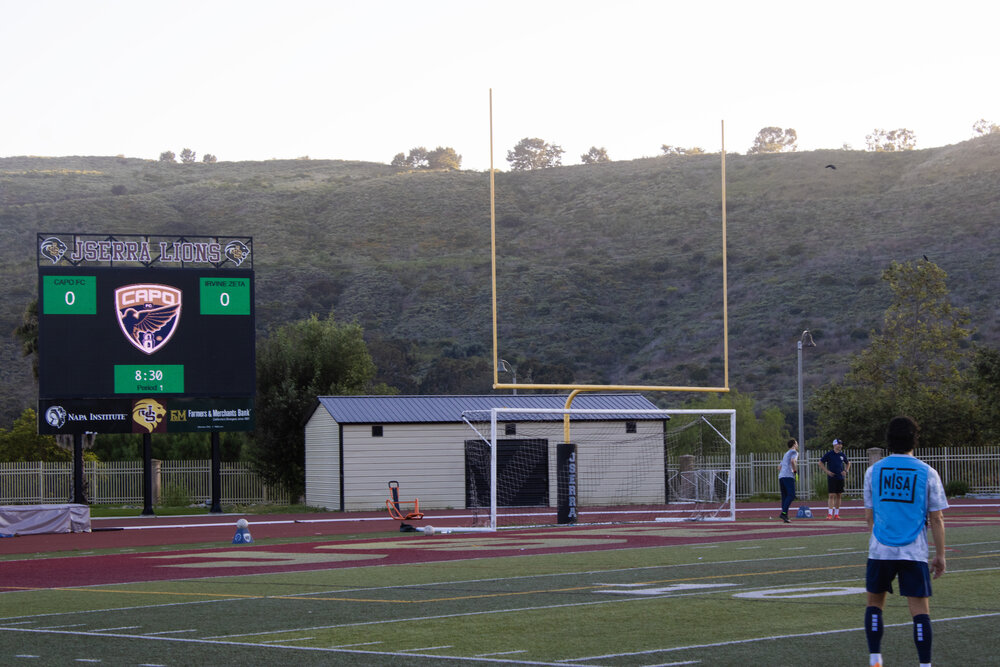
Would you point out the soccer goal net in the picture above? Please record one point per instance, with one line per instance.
(615, 467)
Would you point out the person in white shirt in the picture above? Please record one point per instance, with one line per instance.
(788, 470)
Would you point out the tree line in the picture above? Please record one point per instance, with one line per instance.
(534, 153)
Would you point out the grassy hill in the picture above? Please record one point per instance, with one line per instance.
(611, 273)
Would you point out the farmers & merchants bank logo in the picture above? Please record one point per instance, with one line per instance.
(148, 314)
(148, 414)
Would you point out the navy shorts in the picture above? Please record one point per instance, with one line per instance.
(914, 577)
(835, 484)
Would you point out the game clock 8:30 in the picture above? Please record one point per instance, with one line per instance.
(149, 379)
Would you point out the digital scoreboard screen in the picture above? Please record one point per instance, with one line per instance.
(167, 328)
(108, 332)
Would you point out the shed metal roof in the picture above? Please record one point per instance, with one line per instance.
(445, 409)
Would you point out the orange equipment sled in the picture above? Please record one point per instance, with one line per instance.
(395, 505)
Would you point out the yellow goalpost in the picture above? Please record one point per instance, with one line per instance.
(575, 389)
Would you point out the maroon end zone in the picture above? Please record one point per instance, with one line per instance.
(77, 568)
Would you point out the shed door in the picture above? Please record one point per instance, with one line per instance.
(522, 473)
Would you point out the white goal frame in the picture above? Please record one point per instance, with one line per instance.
(496, 415)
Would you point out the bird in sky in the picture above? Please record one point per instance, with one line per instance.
(831, 166)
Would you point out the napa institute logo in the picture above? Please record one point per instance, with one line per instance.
(148, 314)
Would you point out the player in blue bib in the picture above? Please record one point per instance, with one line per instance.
(903, 495)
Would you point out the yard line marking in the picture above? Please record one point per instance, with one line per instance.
(485, 655)
(281, 641)
(736, 642)
(353, 645)
(167, 632)
(398, 654)
(425, 648)
(59, 627)
(124, 627)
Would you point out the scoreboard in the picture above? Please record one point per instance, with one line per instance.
(167, 326)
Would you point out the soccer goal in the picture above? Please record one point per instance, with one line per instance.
(617, 466)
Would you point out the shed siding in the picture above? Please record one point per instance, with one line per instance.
(322, 435)
(428, 461)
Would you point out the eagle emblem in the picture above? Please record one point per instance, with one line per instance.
(148, 314)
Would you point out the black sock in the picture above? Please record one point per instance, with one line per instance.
(873, 629)
(922, 636)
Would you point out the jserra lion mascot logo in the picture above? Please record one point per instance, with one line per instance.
(53, 249)
(237, 251)
(148, 314)
(147, 414)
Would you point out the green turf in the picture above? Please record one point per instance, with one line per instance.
(620, 607)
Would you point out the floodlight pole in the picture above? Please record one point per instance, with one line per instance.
(807, 339)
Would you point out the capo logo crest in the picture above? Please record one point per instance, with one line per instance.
(148, 314)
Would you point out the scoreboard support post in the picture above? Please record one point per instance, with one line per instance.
(79, 497)
(147, 475)
(216, 474)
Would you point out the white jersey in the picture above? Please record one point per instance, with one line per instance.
(786, 463)
(917, 549)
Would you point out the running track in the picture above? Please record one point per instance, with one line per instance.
(70, 559)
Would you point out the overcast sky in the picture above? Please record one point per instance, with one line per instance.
(364, 80)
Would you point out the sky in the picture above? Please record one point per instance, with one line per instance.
(367, 79)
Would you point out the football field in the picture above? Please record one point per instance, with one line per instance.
(754, 592)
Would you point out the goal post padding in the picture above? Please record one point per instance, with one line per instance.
(631, 465)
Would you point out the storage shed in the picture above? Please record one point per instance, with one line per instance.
(356, 444)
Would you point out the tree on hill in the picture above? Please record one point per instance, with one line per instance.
(187, 156)
(208, 158)
(913, 366)
(444, 157)
(27, 333)
(986, 387)
(678, 150)
(774, 140)
(295, 364)
(889, 141)
(595, 156)
(417, 159)
(983, 126)
(168, 156)
(534, 153)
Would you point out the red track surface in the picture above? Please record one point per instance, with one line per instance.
(79, 569)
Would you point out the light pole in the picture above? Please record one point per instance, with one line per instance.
(807, 340)
(505, 367)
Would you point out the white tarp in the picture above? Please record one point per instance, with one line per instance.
(34, 519)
